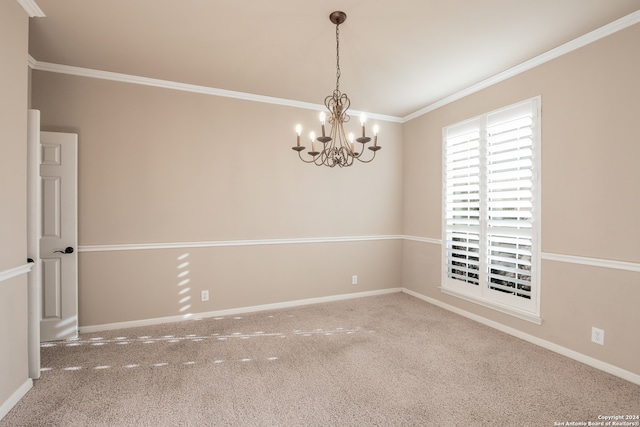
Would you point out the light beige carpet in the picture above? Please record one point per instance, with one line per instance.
(391, 360)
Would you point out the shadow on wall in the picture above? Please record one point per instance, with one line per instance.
(184, 290)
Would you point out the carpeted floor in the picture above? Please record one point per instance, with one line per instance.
(391, 360)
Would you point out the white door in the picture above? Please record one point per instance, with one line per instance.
(59, 236)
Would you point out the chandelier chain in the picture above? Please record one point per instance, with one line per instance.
(337, 57)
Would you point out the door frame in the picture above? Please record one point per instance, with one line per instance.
(34, 221)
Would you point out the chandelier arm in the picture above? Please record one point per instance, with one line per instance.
(327, 159)
(361, 152)
(367, 161)
(358, 155)
(321, 158)
(301, 158)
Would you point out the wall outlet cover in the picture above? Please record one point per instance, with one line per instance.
(597, 335)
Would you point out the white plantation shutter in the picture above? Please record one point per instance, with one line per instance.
(490, 197)
(509, 195)
(462, 208)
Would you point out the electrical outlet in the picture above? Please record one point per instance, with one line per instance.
(597, 335)
(354, 279)
(204, 295)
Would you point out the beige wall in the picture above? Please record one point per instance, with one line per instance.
(164, 166)
(590, 203)
(13, 206)
(145, 284)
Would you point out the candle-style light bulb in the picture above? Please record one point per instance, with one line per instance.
(312, 136)
(375, 135)
(298, 131)
(353, 148)
(363, 120)
(322, 119)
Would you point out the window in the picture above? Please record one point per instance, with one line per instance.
(491, 215)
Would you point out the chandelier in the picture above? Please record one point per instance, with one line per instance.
(336, 149)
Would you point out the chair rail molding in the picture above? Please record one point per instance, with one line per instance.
(15, 272)
(226, 243)
(593, 262)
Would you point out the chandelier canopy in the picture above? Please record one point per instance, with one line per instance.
(336, 149)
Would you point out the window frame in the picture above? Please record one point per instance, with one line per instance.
(527, 309)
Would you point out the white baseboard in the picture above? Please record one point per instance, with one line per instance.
(587, 360)
(232, 311)
(15, 398)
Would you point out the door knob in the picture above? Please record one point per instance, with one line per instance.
(67, 250)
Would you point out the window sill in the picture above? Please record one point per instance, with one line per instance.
(520, 314)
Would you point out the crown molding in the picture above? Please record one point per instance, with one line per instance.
(186, 87)
(595, 35)
(604, 31)
(32, 8)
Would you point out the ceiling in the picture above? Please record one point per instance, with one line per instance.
(395, 57)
